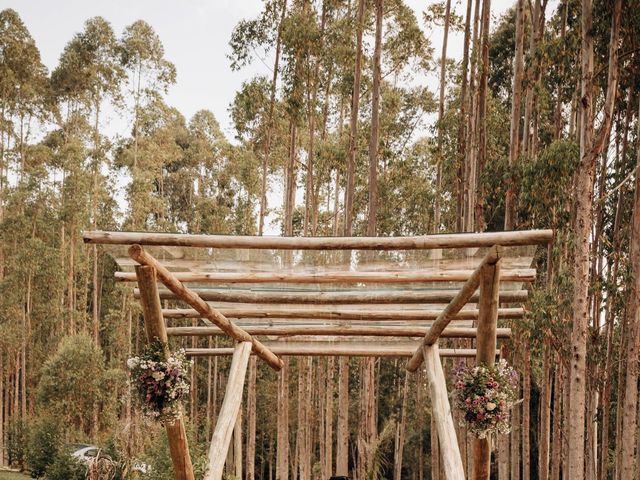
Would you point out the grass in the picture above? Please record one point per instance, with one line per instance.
(12, 476)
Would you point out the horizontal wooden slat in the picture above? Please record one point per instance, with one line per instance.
(337, 330)
(340, 349)
(522, 275)
(456, 240)
(337, 313)
(320, 298)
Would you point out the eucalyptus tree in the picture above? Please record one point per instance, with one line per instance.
(142, 57)
(88, 73)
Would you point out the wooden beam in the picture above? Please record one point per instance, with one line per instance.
(337, 350)
(337, 330)
(520, 275)
(155, 329)
(441, 411)
(338, 313)
(426, 242)
(486, 344)
(222, 434)
(339, 298)
(459, 301)
(139, 255)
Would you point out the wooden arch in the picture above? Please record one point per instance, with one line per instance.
(349, 322)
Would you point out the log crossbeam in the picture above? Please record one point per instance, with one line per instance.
(425, 242)
(328, 277)
(332, 330)
(137, 253)
(337, 313)
(451, 310)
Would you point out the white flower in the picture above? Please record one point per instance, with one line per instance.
(133, 363)
(158, 375)
(491, 406)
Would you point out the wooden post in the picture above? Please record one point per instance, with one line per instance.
(441, 412)
(229, 412)
(485, 348)
(155, 328)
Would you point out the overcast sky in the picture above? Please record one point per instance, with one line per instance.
(195, 34)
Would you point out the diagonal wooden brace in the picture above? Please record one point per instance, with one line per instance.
(459, 301)
(221, 438)
(137, 253)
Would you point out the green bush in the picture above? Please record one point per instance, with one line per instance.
(45, 440)
(16, 442)
(65, 467)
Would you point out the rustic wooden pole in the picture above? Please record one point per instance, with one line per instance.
(337, 313)
(429, 276)
(155, 328)
(345, 349)
(139, 255)
(460, 300)
(486, 347)
(426, 242)
(441, 412)
(223, 432)
(380, 297)
(333, 330)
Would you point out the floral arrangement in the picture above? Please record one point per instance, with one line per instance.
(485, 395)
(160, 383)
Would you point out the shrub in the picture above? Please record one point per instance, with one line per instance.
(65, 467)
(16, 442)
(45, 439)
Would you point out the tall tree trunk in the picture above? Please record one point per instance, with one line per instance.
(328, 417)
(342, 431)
(545, 413)
(526, 412)
(462, 148)
(282, 453)
(402, 425)
(629, 421)
(353, 124)
(374, 141)
(482, 115)
(267, 145)
(251, 420)
(590, 149)
(437, 220)
(510, 218)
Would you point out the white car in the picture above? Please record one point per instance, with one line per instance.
(85, 453)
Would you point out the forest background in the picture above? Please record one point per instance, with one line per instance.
(535, 126)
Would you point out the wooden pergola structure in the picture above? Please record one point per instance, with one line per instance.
(343, 296)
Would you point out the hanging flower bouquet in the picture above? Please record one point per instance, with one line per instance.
(485, 395)
(160, 384)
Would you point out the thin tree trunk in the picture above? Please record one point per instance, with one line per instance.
(353, 124)
(374, 141)
(282, 453)
(440, 157)
(267, 144)
(482, 115)
(590, 149)
(545, 414)
(342, 431)
(510, 218)
(251, 420)
(328, 439)
(629, 421)
(462, 147)
(402, 425)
